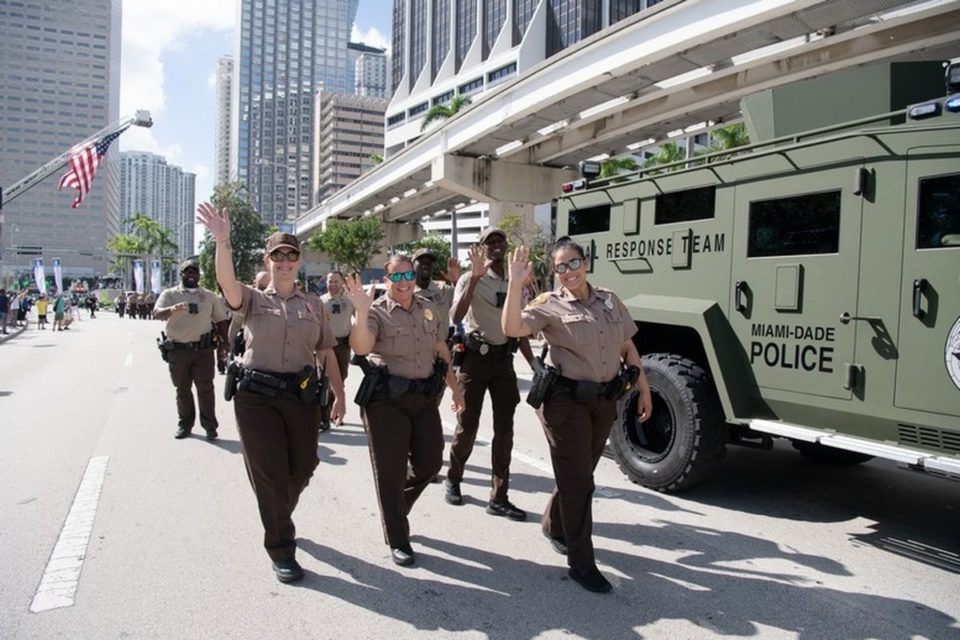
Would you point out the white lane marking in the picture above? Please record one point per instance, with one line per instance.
(540, 465)
(129, 361)
(59, 582)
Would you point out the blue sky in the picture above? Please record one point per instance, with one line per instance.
(168, 66)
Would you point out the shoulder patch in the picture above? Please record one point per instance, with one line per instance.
(540, 299)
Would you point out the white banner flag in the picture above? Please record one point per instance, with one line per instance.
(155, 273)
(57, 275)
(40, 275)
(138, 275)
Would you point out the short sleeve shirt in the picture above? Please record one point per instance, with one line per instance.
(442, 297)
(340, 311)
(483, 316)
(405, 339)
(283, 335)
(190, 327)
(584, 337)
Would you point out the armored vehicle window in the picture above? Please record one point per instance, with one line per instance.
(684, 206)
(799, 225)
(938, 214)
(589, 220)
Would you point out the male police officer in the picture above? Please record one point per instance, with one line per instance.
(340, 311)
(191, 313)
(439, 294)
(487, 364)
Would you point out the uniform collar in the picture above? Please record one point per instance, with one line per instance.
(392, 304)
(180, 288)
(566, 294)
(272, 291)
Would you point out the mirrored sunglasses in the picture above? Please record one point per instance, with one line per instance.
(562, 267)
(402, 275)
(280, 256)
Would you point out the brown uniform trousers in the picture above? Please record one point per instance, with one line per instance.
(478, 373)
(279, 438)
(406, 452)
(342, 351)
(577, 433)
(188, 368)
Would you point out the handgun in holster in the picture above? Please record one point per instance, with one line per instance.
(308, 385)
(324, 391)
(439, 378)
(234, 373)
(544, 378)
(162, 345)
(624, 382)
(373, 378)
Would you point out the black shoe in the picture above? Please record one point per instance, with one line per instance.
(288, 570)
(453, 495)
(559, 544)
(402, 555)
(182, 433)
(507, 509)
(211, 435)
(324, 425)
(591, 580)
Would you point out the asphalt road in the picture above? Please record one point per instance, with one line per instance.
(773, 547)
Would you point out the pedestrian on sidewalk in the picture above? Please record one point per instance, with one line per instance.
(4, 310)
(58, 308)
(277, 404)
(42, 312)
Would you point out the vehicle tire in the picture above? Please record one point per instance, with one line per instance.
(830, 455)
(684, 440)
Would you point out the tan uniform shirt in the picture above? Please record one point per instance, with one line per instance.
(483, 315)
(189, 327)
(406, 340)
(340, 311)
(283, 336)
(584, 337)
(441, 296)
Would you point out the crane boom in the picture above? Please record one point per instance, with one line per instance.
(140, 119)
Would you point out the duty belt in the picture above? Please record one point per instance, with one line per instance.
(345, 340)
(204, 342)
(585, 389)
(476, 344)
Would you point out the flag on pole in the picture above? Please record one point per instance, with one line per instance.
(83, 163)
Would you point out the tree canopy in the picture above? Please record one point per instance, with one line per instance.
(248, 235)
(351, 244)
(536, 239)
(437, 244)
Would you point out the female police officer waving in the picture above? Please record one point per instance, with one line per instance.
(590, 338)
(402, 334)
(276, 405)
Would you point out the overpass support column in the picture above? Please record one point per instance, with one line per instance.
(500, 209)
(487, 180)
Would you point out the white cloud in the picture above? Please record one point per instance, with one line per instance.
(372, 37)
(201, 170)
(150, 29)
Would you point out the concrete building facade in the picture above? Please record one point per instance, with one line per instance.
(162, 191)
(60, 79)
(288, 51)
(370, 76)
(222, 141)
(350, 129)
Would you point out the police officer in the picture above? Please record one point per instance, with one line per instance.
(487, 365)
(276, 406)
(401, 331)
(340, 311)
(191, 313)
(590, 338)
(440, 294)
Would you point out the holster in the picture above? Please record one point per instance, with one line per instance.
(544, 379)
(623, 383)
(324, 392)
(372, 380)
(234, 373)
(439, 379)
(162, 345)
(308, 386)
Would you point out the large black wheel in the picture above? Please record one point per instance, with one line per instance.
(684, 440)
(830, 455)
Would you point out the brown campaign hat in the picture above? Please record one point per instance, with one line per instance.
(280, 239)
(492, 231)
(192, 261)
(424, 252)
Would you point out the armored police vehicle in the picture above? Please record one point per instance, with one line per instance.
(806, 287)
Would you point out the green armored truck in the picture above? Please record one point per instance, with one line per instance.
(806, 286)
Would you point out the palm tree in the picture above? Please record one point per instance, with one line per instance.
(614, 166)
(669, 152)
(444, 111)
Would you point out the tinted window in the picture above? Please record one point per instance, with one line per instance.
(800, 225)
(684, 206)
(938, 213)
(589, 220)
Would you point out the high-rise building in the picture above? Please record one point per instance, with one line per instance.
(222, 142)
(369, 66)
(59, 84)
(288, 51)
(162, 191)
(350, 130)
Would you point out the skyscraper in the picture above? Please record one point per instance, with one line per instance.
(350, 130)
(164, 192)
(288, 51)
(369, 66)
(60, 79)
(222, 135)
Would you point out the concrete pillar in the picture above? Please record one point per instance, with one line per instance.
(499, 209)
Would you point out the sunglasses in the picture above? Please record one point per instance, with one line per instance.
(402, 275)
(574, 264)
(280, 256)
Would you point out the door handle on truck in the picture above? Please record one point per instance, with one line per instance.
(738, 291)
(919, 286)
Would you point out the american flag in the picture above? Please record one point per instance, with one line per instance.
(83, 163)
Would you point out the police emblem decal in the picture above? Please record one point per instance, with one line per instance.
(427, 315)
(952, 353)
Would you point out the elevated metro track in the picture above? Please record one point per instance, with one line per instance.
(679, 63)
